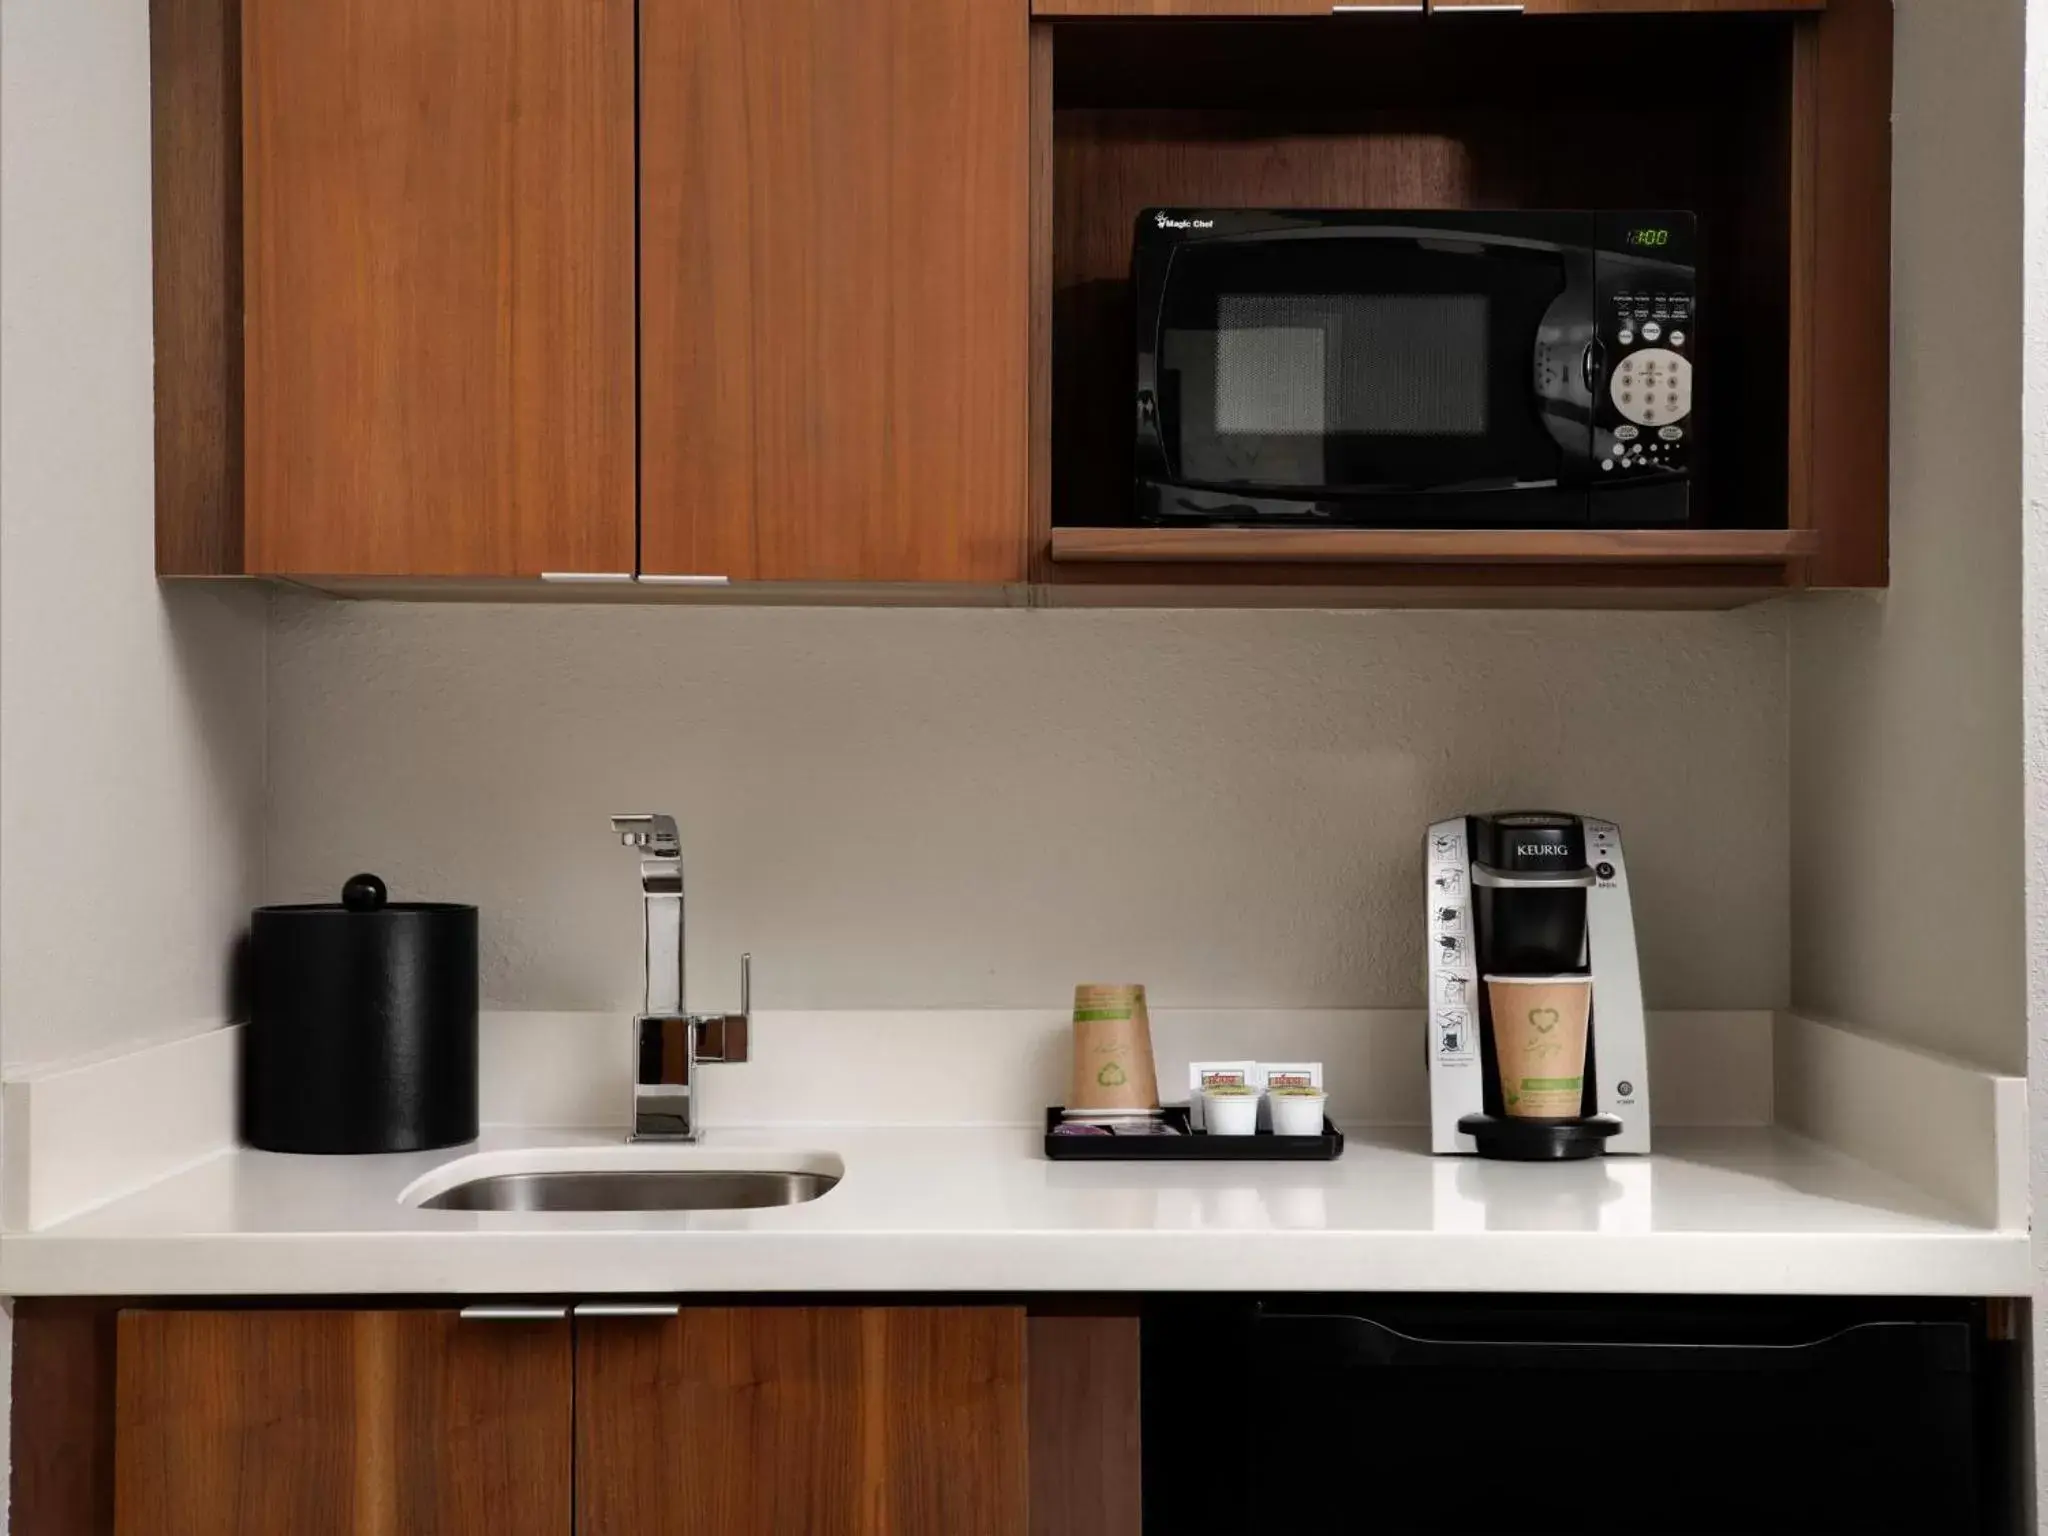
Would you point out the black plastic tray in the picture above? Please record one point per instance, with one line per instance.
(1191, 1147)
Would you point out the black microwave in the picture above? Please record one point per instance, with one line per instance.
(1415, 369)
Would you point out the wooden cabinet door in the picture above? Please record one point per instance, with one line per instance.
(1620, 7)
(834, 294)
(802, 1421)
(398, 1423)
(438, 255)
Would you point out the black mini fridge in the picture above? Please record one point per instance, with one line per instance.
(1371, 1416)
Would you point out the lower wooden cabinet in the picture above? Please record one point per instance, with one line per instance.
(717, 1421)
(802, 1421)
(387, 1423)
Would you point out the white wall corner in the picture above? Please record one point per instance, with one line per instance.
(1942, 1125)
(82, 1134)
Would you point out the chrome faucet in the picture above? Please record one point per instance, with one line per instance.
(669, 1042)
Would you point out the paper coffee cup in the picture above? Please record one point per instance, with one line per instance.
(1112, 1050)
(1539, 1040)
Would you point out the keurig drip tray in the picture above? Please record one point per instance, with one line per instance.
(1538, 1141)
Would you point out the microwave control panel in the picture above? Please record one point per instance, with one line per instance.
(1642, 416)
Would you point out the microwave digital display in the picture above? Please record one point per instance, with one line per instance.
(1649, 237)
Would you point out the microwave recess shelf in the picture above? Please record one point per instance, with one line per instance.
(1344, 546)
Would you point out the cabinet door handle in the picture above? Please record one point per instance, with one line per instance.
(1478, 10)
(514, 1314)
(587, 578)
(1378, 10)
(628, 1308)
(685, 581)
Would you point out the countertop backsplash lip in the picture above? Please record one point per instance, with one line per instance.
(935, 1066)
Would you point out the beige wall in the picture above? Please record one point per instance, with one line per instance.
(904, 808)
(130, 726)
(1906, 710)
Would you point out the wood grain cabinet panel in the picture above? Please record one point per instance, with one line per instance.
(803, 1421)
(438, 232)
(834, 289)
(394, 1423)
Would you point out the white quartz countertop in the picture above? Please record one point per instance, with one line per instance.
(981, 1210)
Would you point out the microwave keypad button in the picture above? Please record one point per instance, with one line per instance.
(1653, 331)
(1626, 434)
(1627, 338)
(1678, 338)
(1671, 434)
(1653, 386)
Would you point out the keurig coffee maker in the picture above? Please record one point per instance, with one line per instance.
(1536, 1049)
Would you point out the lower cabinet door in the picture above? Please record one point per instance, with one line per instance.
(393, 1423)
(802, 1421)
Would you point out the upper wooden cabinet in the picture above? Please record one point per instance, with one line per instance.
(439, 275)
(837, 291)
(254, 1423)
(834, 289)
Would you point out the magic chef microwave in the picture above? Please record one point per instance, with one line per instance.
(1415, 370)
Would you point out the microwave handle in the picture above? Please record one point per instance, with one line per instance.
(1593, 367)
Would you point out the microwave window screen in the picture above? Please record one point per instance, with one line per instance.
(1374, 364)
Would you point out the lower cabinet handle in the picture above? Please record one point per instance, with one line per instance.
(514, 1314)
(628, 1308)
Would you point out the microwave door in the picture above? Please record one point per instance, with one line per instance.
(1368, 366)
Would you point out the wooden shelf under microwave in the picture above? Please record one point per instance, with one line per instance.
(1379, 546)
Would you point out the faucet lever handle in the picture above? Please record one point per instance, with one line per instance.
(656, 836)
(722, 1037)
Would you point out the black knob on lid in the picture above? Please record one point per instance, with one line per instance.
(364, 893)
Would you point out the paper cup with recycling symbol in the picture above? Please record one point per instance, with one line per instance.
(1539, 1040)
(1112, 1050)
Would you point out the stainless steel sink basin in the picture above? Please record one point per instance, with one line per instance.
(633, 1190)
